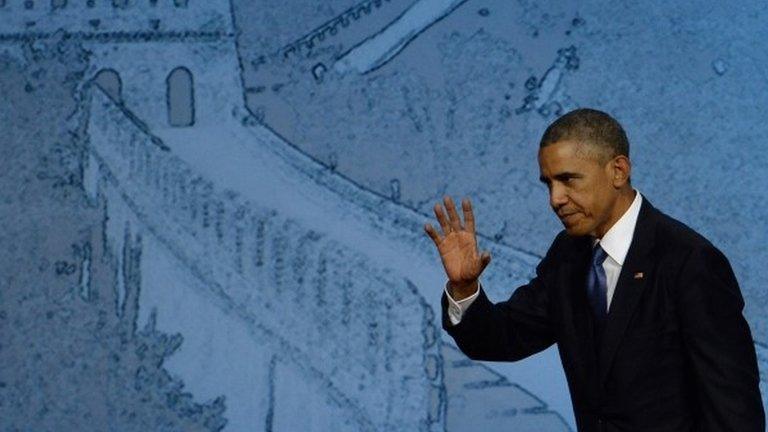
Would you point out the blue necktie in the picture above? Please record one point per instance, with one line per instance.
(597, 287)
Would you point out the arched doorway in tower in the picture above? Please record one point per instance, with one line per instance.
(180, 97)
(109, 81)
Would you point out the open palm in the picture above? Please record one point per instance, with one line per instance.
(457, 244)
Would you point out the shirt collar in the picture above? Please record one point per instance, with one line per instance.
(616, 241)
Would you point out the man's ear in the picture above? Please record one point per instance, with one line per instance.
(622, 169)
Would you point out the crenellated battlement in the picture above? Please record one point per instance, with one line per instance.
(101, 20)
(48, 6)
(330, 28)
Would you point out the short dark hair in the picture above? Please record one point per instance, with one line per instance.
(590, 126)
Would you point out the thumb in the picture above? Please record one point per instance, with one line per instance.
(485, 259)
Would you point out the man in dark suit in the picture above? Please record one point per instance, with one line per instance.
(646, 313)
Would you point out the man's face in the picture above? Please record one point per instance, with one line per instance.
(582, 191)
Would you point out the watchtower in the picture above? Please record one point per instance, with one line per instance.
(172, 62)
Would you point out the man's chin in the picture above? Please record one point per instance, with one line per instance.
(574, 230)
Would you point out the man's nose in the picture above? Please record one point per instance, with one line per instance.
(557, 197)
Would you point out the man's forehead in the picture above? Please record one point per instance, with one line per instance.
(566, 147)
(569, 152)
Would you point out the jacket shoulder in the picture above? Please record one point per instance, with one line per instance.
(678, 237)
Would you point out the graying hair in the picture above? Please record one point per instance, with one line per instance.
(589, 126)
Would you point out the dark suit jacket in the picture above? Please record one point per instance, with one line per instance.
(676, 353)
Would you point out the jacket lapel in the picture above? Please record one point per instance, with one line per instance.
(632, 281)
(573, 278)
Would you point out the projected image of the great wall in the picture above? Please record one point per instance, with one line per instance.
(215, 258)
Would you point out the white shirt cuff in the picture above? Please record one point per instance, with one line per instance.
(456, 309)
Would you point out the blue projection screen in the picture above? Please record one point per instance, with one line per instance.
(214, 210)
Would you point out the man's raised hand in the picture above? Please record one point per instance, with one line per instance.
(458, 247)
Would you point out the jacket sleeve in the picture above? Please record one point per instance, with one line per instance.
(718, 345)
(509, 330)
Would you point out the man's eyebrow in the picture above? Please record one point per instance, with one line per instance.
(561, 176)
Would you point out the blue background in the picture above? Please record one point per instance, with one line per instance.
(213, 211)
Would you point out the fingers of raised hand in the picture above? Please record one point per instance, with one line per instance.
(433, 234)
(453, 217)
(442, 218)
(469, 217)
(449, 219)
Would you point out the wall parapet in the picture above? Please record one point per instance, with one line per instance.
(343, 318)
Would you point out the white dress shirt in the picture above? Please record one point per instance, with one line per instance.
(615, 242)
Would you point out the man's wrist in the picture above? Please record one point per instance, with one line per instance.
(460, 291)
